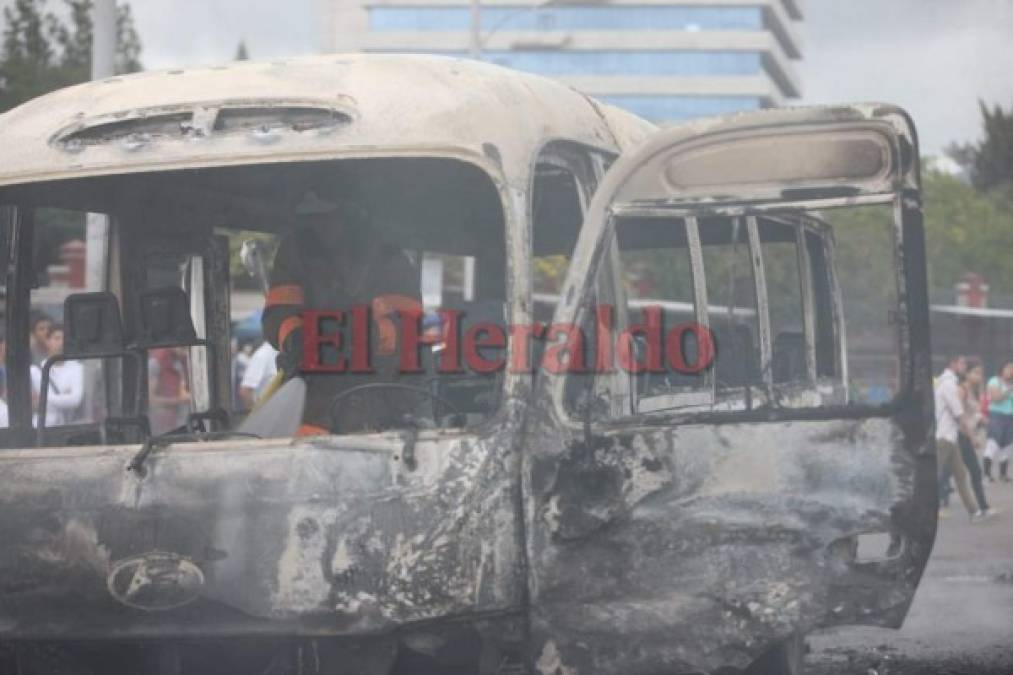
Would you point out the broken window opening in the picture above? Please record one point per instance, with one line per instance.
(186, 230)
(733, 311)
(170, 125)
(294, 118)
(657, 277)
(802, 305)
(781, 260)
(561, 187)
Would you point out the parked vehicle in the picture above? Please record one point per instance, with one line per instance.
(629, 516)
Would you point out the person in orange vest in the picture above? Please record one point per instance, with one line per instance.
(332, 260)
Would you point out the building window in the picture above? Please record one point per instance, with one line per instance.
(659, 108)
(614, 62)
(528, 17)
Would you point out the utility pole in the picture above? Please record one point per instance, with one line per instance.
(103, 46)
(476, 40)
(103, 64)
(475, 34)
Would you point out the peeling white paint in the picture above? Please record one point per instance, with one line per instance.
(341, 561)
(77, 543)
(551, 662)
(302, 586)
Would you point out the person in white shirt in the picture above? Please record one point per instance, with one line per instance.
(950, 419)
(4, 416)
(66, 383)
(241, 354)
(259, 372)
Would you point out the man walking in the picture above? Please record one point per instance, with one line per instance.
(949, 421)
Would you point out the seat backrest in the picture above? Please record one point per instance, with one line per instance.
(471, 392)
(92, 325)
(93, 329)
(733, 359)
(788, 361)
(164, 319)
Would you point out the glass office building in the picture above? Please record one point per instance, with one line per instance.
(666, 61)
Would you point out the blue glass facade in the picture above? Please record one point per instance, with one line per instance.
(659, 108)
(627, 17)
(609, 63)
(610, 49)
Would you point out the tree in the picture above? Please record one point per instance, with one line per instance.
(128, 41)
(967, 231)
(990, 161)
(42, 52)
(27, 54)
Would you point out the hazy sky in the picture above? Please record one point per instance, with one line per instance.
(934, 57)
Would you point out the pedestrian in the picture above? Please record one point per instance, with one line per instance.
(4, 417)
(168, 394)
(66, 383)
(258, 374)
(949, 421)
(1000, 421)
(41, 323)
(241, 353)
(973, 439)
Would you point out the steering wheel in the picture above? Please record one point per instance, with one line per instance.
(386, 385)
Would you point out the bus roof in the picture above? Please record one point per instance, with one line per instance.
(307, 108)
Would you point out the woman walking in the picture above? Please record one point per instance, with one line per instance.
(972, 435)
(1000, 421)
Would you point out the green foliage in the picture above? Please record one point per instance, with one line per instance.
(990, 161)
(128, 41)
(549, 272)
(967, 231)
(970, 229)
(865, 264)
(41, 51)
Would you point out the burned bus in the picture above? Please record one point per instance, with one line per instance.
(615, 513)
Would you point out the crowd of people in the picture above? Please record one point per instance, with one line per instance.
(169, 396)
(973, 418)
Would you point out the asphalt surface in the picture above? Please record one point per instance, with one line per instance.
(961, 621)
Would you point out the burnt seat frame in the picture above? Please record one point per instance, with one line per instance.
(93, 330)
(164, 321)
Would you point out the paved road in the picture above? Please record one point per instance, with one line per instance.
(961, 622)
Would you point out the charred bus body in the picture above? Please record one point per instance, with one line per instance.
(557, 522)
